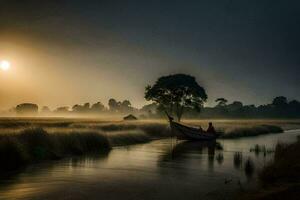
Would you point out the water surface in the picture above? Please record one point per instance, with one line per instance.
(162, 169)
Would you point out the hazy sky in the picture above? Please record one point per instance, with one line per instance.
(69, 51)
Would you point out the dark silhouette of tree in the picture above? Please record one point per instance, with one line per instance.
(113, 105)
(126, 103)
(97, 107)
(63, 109)
(294, 104)
(86, 107)
(27, 108)
(77, 108)
(149, 109)
(125, 106)
(45, 109)
(280, 101)
(221, 101)
(173, 93)
(294, 108)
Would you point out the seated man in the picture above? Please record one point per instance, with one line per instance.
(211, 128)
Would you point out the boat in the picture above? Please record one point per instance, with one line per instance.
(183, 132)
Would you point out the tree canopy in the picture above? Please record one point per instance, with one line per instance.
(174, 93)
(221, 101)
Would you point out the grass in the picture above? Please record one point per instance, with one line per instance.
(35, 144)
(251, 131)
(28, 140)
(280, 178)
(286, 165)
(130, 137)
(23, 142)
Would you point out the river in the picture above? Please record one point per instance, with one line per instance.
(161, 169)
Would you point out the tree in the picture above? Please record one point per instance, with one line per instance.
(125, 106)
(221, 101)
(46, 109)
(77, 108)
(97, 107)
(86, 107)
(126, 103)
(173, 93)
(280, 101)
(149, 108)
(27, 108)
(63, 109)
(236, 105)
(113, 105)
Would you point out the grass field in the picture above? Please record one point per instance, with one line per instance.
(27, 140)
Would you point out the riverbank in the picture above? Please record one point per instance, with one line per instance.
(280, 178)
(24, 141)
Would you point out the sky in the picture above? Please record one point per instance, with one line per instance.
(64, 52)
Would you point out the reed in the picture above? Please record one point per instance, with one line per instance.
(285, 167)
(251, 131)
(122, 138)
(35, 144)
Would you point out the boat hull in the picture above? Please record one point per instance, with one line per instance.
(189, 133)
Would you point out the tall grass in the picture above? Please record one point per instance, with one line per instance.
(122, 138)
(35, 144)
(285, 167)
(251, 131)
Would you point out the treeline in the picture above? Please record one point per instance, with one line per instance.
(114, 107)
(280, 107)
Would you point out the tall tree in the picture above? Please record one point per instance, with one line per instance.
(173, 93)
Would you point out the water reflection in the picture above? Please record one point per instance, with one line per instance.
(220, 158)
(45, 177)
(249, 168)
(238, 160)
(191, 170)
(187, 151)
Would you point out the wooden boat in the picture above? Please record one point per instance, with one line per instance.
(183, 132)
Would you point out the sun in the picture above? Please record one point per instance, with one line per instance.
(4, 65)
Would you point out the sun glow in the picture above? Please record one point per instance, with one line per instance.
(4, 65)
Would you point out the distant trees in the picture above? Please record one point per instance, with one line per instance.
(62, 110)
(46, 109)
(174, 93)
(120, 107)
(27, 108)
(280, 101)
(97, 107)
(86, 108)
(279, 107)
(81, 108)
(221, 101)
(113, 105)
(149, 108)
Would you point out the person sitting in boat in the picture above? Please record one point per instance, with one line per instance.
(210, 128)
